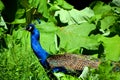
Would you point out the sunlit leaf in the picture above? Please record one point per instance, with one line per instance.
(116, 2)
(101, 8)
(74, 16)
(19, 21)
(112, 47)
(74, 37)
(107, 22)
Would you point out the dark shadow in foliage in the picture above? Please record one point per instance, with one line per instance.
(9, 12)
(112, 34)
(2, 44)
(51, 76)
(58, 40)
(97, 30)
(59, 23)
(100, 51)
(115, 29)
(80, 4)
(89, 52)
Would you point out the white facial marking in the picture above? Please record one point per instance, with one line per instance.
(30, 28)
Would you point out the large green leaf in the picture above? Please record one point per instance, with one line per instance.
(101, 8)
(73, 37)
(107, 22)
(74, 16)
(116, 2)
(112, 47)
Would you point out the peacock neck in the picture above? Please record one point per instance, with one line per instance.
(37, 48)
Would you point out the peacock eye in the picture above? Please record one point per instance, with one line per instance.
(30, 28)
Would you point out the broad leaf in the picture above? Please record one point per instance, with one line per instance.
(107, 22)
(116, 2)
(112, 47)
(101, 9)
(74, 16)
(73, 37)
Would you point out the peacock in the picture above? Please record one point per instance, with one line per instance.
(65, 63)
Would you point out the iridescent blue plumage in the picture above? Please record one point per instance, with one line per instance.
(38, 50)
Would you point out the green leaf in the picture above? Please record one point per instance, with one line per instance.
(62, 76)
(54, 7)
(25, 4)
(116, 10)
(2, 22)
(107, 22)
(19, 59)
(64, 4)
(42, 8)
(1, 6)
(47, 38)
(29, 15)
(59, 2)
(116, 2)
(74, 16)
(47, 27)
(20, 13)
(73, 37)
(19, 21)
(34, 3)
(112, 47)
(81, 16)
(101, 9)
(64, 16)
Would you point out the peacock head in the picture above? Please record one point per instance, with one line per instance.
(30, 27)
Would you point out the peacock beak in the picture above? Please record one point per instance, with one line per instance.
(26, 28)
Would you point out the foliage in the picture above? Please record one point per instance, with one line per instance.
(63, 29)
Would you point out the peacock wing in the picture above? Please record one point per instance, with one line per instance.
(72, 61)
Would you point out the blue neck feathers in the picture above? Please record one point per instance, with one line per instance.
(38, 50)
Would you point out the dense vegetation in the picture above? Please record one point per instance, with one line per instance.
(93, 30)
